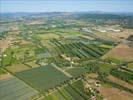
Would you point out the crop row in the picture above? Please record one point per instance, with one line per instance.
(79, 49)
(72, 91)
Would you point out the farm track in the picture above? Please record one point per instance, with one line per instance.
(59, 69)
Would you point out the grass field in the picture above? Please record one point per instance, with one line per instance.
(130, 65)
(106, 46)
(43, 78)
(47, 36)
(105, 68)
(2, 71)
(77, 71)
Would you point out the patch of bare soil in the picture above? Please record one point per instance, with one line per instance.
(4, 43)
(121, 35)
(120, 82)
(5, 76)
(110, 93)
(122, 51)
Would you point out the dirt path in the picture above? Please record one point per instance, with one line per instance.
(67, 74)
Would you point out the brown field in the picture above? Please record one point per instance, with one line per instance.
(120, 82)
(122, 52)
(120, 35)
(91, 75)
(5, 76)
(24, 42)
(33, 64)
(110, 93)
(4, 44)
(17, 68)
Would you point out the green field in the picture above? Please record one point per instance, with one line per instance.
(130, 65)
(72, 91)
(78, 49)
(14, 89)
(105, 68)
(2, 71)
(77, 71)
(43, 78)
(47, 36)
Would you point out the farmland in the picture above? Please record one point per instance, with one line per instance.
(14, 89)
(121, 52)
(42, 79)
(66, 56)
(71, 92)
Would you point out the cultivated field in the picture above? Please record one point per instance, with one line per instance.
(43, 78)
(14, 89)
(122, 52)
(17, 68)
(110, 93)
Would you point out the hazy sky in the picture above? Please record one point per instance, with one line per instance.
(66, 5)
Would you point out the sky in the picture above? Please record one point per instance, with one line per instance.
(66, 5)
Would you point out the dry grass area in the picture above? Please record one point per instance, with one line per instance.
(86, 37)
(91, 75)
(32, 64)
(47, 36)
(130, 65)
(24, 42)
(110, 93)
(122, 52)
(120, 35)
(17, 68)
(4, 44)
(120, 82)
(35, 22)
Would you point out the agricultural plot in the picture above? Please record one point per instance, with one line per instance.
(79, 49)
(20, 53)
(55, 96)
(32, 64)
(17, 68)
(72, 91)
(25, 52)
(123, 75)
(105, 68)
(79, 88)
(77, 71)
(130, 66)
(47, 36)
(58, 57)
(7, 57)
(43, 78)
(14, 89)
(121, 52)
(2, 71)
(111, 93)
(120, 82)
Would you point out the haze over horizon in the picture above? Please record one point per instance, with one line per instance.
(66, 5)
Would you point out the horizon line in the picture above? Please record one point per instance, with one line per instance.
(69, 12)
